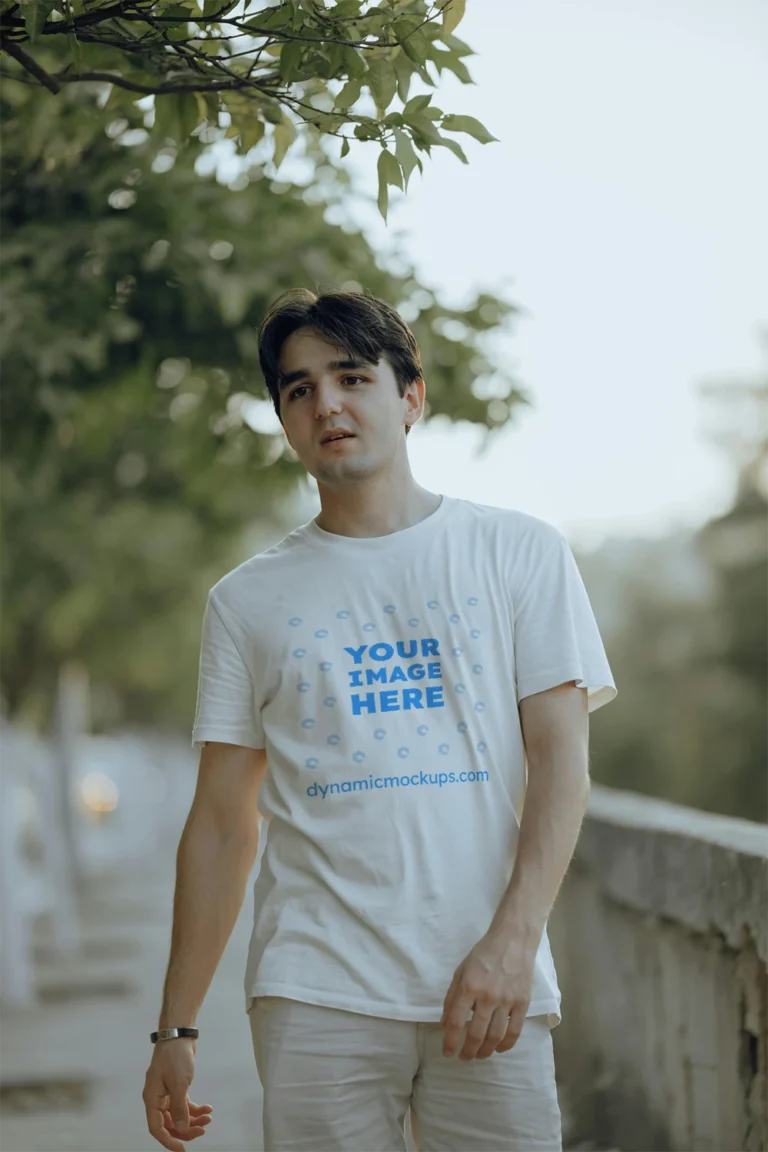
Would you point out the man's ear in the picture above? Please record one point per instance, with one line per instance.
(415, 394)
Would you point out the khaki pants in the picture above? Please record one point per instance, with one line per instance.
(337, 1081)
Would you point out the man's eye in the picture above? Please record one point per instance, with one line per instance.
(298, 392)
(346, 378)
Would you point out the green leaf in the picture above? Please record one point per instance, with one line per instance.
(271, 18)
(354, 63)
(404, 73)
(251, 132)
(35, 13)
(285, 134)
(424, 128)
(453, 12)
(389, 165)
(76, 51)
(345, 10)
(344, 147)
(382, 81)
(469, 125)
(290, 60)
(417, 47)
(406, 155)
(454, 147)
(348, 95)
(417, 104)
(177, 115)
(383, 197)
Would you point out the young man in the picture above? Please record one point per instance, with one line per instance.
(391, 684)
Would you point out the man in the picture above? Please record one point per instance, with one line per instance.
(390, 684)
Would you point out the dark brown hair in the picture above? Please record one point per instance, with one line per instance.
(358, 322)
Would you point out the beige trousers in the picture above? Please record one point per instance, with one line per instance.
(337, 1081)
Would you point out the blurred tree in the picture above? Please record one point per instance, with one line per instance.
(131, 291)
(692, 664)
(254, 71)
(736, 546)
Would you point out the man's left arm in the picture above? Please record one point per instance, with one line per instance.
(495, 980)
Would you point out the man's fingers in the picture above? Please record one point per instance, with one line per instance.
(157, 1128)
(476, 1033)
(191, 1132)
(512, 1034)
(497, 1030)
(455, 1021)
(196, 1110)
(449, 997)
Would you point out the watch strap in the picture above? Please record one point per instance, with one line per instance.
(173, 1033)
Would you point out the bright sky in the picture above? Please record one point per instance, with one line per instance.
(624, 210)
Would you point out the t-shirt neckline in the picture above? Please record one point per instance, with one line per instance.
(391, 540)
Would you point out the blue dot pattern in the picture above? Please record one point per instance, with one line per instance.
(334, 739)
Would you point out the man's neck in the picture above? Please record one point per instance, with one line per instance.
(364, 514)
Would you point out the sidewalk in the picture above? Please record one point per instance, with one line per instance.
(93, 1023)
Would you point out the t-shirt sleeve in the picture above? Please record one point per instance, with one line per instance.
(556, 637)
(227, 709)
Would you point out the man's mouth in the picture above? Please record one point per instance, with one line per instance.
(333, 436)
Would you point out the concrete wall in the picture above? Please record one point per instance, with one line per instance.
(660, 937)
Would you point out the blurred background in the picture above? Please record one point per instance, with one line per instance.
(589, 293)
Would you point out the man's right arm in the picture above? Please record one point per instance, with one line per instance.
(216, 854)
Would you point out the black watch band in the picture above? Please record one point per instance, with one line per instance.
(172, 1033)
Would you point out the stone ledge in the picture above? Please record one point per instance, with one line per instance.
(704, 871)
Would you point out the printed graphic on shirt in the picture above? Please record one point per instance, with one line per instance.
(397, 689)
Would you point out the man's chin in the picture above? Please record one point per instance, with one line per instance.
(339, 472)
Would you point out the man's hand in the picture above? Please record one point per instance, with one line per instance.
(171, 1115)
(494, 983)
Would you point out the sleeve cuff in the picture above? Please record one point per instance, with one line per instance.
(245, 737)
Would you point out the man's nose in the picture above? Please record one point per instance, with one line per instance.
(328, 399)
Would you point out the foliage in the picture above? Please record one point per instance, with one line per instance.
(131, 291)
(265, 71)
(689, 723)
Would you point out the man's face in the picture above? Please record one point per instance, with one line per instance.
(345, 419)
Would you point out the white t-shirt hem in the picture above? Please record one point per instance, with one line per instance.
(243, 737)
(598, 692)
(426, 1014)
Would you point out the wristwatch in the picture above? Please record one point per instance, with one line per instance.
(172, 1033)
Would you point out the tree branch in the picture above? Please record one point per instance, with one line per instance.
(29, 65)
(146, 89)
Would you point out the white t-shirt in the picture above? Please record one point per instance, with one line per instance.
(383, 676)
